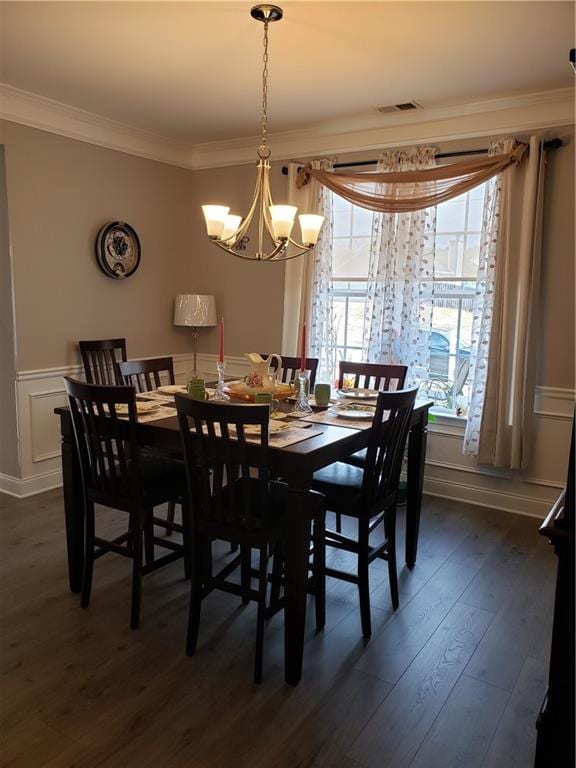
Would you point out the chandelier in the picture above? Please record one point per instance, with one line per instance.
(226, 230)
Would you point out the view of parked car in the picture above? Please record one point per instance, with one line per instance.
(440, 354)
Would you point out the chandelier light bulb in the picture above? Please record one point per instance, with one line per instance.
(282, 220)
(231, 226)
(215, 216)
(310, 225)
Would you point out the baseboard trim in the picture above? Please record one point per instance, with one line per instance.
(490, 498)
(30, 486)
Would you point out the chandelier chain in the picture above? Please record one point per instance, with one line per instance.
(265, 86)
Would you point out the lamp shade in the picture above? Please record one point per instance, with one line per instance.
(194, 309)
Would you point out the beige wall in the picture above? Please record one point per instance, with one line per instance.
(556, 363)
(60, 193)
(250, 295)
(9, 464)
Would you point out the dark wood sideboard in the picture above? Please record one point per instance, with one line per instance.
(555, 724)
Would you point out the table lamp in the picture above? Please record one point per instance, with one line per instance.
(196, 311)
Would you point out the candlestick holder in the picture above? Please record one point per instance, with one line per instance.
(219, 393)
(302, 406)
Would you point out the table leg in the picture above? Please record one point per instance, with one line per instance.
(414, 482)
(295, 549)
(73, 504)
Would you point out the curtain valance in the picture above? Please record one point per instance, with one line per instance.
(404, 191)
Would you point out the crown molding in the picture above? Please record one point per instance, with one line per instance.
(514, 114)
(36, 111)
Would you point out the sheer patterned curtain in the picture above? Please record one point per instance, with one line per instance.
(398, 317)
(307, 279)
(320, 314)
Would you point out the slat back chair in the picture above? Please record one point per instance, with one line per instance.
(145, 375)
(370, 495)
(231, 486)
(100, 360)
(373, 375)
(231, 498)
(386, 448)
(369, 376)
(115, 474)
(290, 365)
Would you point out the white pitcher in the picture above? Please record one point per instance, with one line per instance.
(260, 375)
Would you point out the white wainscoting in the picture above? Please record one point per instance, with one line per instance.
(448, 474)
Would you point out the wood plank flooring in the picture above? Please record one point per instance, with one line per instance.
(453, 679)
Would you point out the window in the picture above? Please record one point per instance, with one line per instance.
(456, 254)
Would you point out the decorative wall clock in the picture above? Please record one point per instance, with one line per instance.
(118, 250)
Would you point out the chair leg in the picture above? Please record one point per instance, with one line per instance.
(187, 539)
(338, 522)
(390, 534)
(136, 520)
(170, 517)
(364, 577)
(320, 570)
(245, 578)
(88, 555)
(262, 584)
(195, 601)
(148, 536)
(277, 564)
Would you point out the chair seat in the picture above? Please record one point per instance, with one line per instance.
(161, 479)
(358, 459)
(341, 484)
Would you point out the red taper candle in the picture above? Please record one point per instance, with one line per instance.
(221, 345)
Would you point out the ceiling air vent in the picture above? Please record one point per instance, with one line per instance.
(404, 107)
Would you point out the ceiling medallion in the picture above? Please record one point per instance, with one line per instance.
(274, 221)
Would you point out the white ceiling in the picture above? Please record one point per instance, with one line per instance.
(191, 71)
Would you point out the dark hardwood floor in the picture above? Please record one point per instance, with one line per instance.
(454, 678)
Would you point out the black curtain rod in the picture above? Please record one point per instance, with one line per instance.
(552, 144)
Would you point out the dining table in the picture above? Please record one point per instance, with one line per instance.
(295, 464)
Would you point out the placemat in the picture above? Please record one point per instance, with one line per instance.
(164, 412)
(325, 417)
(281, 439)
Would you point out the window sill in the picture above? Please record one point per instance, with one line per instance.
(446, 423)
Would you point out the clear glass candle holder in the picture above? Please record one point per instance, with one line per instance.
(302, 406)
(219, 393)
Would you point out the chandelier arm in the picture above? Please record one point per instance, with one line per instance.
(266, 203)
(243, 228)
(292, 255)
(265, 257)
(300, 245)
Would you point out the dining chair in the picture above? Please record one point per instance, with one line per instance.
(370, 495)
(232, 497)
(369, 376)
(146, 375)
(117, 474)
(290, 365)
(100, 359)
(372, 375)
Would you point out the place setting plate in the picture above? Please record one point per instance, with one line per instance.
(142, 407)
(358, 393)
(357, 411)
